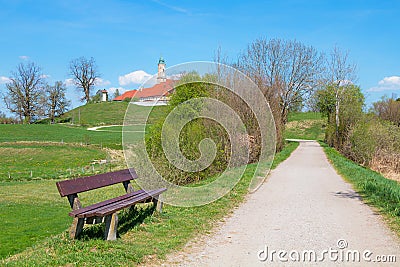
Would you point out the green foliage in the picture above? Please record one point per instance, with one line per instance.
(326, 100)
(343, 106)
(374, 143)
(190, 136)
(361, 137)
(188, 88)
(96, 98)
(116, 93)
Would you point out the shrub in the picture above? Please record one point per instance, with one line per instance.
(199, 129)
(375, 143)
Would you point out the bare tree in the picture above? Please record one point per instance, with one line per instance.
(24, 90)
(287, 70)
(340, 72)
(388, 109)
(54, 101)
(84, 74)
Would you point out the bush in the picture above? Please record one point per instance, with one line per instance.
(375, 143)
(199, 129)
(388, 109)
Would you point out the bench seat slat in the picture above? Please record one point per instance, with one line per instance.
(78, 185)
(74, 213)
(106, 210)
(92, 212)
(121, 203)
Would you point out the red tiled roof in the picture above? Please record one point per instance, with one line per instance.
(159, 89)
(127, 94)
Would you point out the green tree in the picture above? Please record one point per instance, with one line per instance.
(117, 93)
(96, 97)
(351, 109)
(340, 72)
(187, 88)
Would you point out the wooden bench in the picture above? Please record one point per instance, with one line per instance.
(105, 211)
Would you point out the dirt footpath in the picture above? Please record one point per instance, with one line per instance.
(304, 214)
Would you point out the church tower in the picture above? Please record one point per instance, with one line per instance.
(161, 77)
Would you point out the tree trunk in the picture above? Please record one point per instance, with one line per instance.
(337, 122)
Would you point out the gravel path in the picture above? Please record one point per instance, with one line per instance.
(304, 206)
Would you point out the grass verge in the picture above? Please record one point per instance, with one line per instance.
(143, 238)
(376, 190)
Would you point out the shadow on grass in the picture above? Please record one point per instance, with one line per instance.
(127, 219)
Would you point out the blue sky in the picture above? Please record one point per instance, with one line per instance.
(127, 36)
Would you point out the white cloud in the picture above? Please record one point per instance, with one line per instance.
(136, 77)
(4, 80)
(24, 57)
(101, 82)
(112, 90)
(175, 76)
(69, 82)
(45, 76)
(387, 84)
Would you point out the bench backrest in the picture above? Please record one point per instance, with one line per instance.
(78, 185)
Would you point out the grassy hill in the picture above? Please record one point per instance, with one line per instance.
(108, 113)
(103, 113)
(305, 125)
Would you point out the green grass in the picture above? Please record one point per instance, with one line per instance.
(376, 190)
(29, 211)
(25, 161)
(110, 113)
(305, 125)
(104, 113)
(143, 237)
(60, 134)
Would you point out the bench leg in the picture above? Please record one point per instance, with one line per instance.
(76, 228)
(111, 226)
(158, 203)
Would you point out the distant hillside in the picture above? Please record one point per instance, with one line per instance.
(107, 113)
(305, 125)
